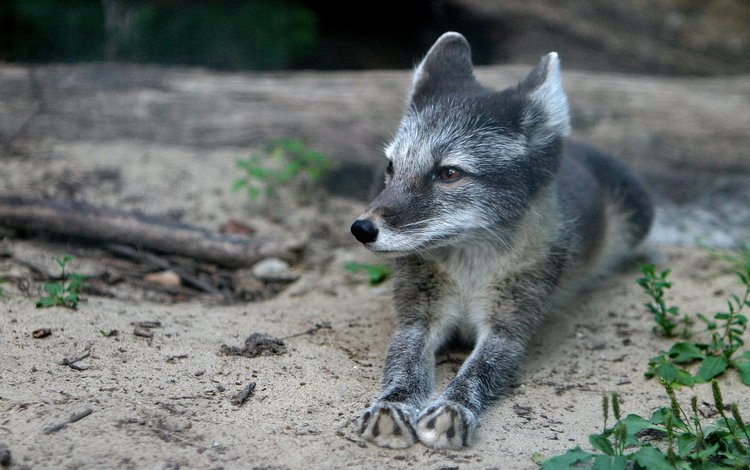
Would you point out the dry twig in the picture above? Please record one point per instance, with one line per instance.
(73, 418)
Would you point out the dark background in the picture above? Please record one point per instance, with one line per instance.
(676, 37)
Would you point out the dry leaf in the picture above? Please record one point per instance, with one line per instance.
(41, 333)
(233, 227)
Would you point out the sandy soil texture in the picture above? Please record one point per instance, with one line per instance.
(165, 401)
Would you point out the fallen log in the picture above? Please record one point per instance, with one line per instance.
(85, 221)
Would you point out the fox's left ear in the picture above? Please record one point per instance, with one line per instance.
(547, 115)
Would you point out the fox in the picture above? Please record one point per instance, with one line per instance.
(492, 217)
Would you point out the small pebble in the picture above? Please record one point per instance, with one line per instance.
(270, 268)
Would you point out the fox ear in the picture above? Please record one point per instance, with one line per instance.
(446, 67)
(548, 111)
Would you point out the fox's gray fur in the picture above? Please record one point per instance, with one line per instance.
(490, 214)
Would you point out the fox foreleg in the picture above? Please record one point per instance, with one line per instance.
(450, 422)
(408, 380)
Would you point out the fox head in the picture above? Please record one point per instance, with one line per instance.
(466, 160)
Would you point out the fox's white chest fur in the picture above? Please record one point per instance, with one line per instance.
(475, 270)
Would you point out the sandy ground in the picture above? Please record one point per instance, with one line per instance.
(165, 401)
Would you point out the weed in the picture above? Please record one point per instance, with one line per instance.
(726, 330)
(284, 161)
(655, 284)
(66, 292)
(377, 273)
(685, 442)
(2, 292)
(690, 443)
(738, 259)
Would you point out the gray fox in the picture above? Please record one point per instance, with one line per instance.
(491, 216)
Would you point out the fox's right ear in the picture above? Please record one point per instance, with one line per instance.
(548, 113)
(447, 67)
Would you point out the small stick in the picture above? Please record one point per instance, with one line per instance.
(311, 331)
(72, 362)
(73, 418)
(244, 394)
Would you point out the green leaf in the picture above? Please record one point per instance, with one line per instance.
(77, 282)
(743, 368)
(685, 443)
(64, 260)
(707, 453)
(70, 300)
(601, 443)
(54, 288)
(238, 184)
(259, 173)
(667, 371)
(711, 325)
(660, 416)
(46, 302)
(685, 352)
(685, 378)
(651, 458)
(376, 273)
(567, 460)
(253, 192)
(711, 367)
(635, 424)
(609, 462)
(291, 145)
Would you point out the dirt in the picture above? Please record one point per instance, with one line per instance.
(149, 366)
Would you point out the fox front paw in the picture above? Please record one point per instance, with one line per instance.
(389, 424)
(446, 425)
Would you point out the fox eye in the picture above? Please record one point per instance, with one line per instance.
(389, 170)
(449, 174)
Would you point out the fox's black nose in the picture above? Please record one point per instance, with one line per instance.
(365, 231)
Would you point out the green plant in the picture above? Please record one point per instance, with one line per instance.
(690, 443)
(655, 284)
(723, 333)
(283, 162)
(67, 291)
(377, 273)
(738, 259)
(2, 292)
(684, 441)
